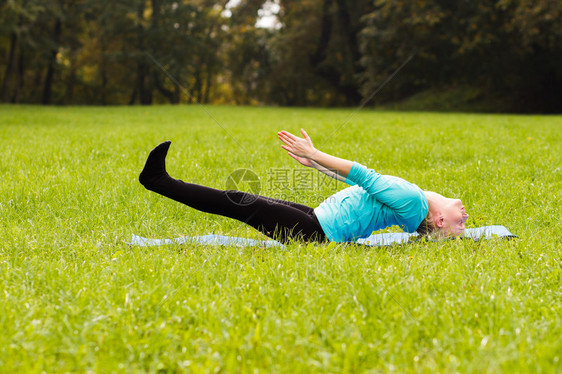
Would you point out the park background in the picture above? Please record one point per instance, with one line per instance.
(75, 297)
(493, 56)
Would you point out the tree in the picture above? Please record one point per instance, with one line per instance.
(315, 56)
(324, 52)
(246, 54)
(337, 55)
(494, 45)
(16, 20)
(537, 32)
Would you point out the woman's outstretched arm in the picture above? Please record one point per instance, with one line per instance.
(302, 150)
(328, 172)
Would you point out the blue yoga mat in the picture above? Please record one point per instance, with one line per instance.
(477, 233)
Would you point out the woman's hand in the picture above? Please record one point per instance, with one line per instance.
(304, 152)
(300, 149)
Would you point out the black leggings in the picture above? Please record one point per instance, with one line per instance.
(281, 220)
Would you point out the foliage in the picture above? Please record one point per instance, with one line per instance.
(508, 48)
(320, 52)
(76, 298)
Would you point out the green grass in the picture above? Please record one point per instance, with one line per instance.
(75, 297)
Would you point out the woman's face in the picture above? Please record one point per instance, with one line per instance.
(454, 217)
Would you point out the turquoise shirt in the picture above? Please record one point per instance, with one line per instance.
(373, 202)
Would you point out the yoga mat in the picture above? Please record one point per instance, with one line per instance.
(477, 233)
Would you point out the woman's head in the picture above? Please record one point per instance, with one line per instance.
(446, 217)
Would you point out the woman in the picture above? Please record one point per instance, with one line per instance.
(373, 201)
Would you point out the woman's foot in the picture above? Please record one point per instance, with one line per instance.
(155, 166)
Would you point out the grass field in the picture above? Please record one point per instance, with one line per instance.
(75, 297)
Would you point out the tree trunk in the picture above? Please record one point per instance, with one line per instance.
(103, 73)
(19, 79)
(141, 89)
(163, 90)
(47, 89)
(349, 30)
(208, 83)
(71, 81)
(197, 87)
(349, 89)
(37, 79)
(9, 67)
(320, 53)
(144, 89)
(177, 94)
(133, 96)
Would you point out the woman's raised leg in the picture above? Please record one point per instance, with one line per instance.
(282, 220)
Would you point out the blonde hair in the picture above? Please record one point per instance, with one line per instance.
(427, 226)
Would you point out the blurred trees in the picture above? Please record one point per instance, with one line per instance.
(316, 52)
(21, 40)
(509, 48)
(319, 52)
